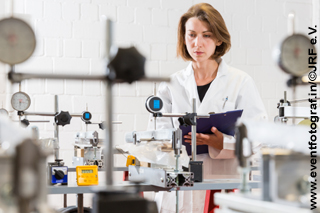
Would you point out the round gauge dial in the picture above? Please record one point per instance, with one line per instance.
(17, 41)
(293, 57)
(4, 112)
(20, 101)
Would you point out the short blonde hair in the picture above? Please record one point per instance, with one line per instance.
(204, 12)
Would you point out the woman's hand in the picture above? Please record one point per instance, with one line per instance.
(215, 140)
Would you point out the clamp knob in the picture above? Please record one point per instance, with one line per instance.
(62, 118)
(58, 174)
(128, 65)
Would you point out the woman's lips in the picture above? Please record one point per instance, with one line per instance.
(198, 53)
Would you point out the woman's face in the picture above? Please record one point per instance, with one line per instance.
(199, 40)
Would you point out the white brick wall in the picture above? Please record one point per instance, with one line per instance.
(70, 37)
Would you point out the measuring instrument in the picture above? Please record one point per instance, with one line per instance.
(87, 175)
(17, 41)
(292, 54)
(20, 101)
(4, 112)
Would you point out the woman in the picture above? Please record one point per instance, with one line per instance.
(203, 39)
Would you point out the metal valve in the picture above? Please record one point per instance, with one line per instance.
(62, 118)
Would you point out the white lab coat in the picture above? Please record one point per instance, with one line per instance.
(231, 89)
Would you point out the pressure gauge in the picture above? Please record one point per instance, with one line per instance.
(154, 104)
(292, 54)
(20, 101)
(17, 41)
(4, 112)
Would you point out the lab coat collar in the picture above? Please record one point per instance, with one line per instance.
(190, 83)
(222, 69)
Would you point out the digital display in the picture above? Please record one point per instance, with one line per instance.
(87, 115)
(156, 104)
(87, 171)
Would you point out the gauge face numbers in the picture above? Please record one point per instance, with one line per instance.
(20, 101)
(294, 57)
(3, 112)
(17, 41)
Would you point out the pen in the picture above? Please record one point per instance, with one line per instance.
(225, 102)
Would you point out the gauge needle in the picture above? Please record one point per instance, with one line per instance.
(296, 52)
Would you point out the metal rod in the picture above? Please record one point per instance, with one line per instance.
(194, 132)
(177, 201)
(18, 77)
(56, 129)
(108, 141)
(80, 203)
(49, 114)
(182, 114)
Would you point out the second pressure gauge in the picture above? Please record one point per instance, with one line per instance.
(20, 101)
(17, 41)
(292, 54)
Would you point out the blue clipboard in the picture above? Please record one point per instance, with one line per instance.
(224, 122)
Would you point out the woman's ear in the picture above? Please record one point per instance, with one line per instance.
(219, 43)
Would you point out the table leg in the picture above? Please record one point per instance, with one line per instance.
(65, 201)
(80, 203)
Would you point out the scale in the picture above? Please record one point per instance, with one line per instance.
(17, 41)
(20, 101)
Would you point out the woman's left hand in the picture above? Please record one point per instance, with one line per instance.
(215, 140)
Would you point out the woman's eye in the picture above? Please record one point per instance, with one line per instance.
(207, 36)
(192, 35)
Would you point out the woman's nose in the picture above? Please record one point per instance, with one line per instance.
(198, 41)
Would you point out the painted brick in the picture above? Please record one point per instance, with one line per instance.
(35, 8)
(110, 11)
(238, 55)
(70, 11)
(96, 104)
(128, 33)
(53, 47)
(92, 88)
(141, 121)
(174, 17)
(55, 87)
(239, 22)
(3, 83)
(44, 103)
(71, 65)
(254, 40)
(98, 66)
(72, 48)
(254, 23)
(168, 68)
(144, 89)
(90, 49)
(154, 34)
(144, 49)
(176, 4)
(89, 12)
(158, 52)
(126, 90)
(171, 52)
(159, 17)
(88, 30)
(152, 68)
(128, 122)
(53, 28)
(125, 14)
(144, 3)
(269, 8)
(254, 56)
(36, 65)
(73, 87)
(143, 16)
(52, 10)
(121, 105)
(269, 24)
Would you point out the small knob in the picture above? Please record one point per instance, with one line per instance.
(58, 174)
(62, 118)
